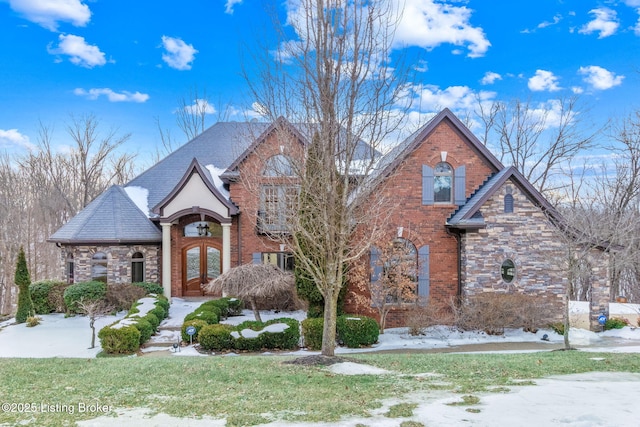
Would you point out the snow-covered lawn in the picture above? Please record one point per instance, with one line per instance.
(574, 400)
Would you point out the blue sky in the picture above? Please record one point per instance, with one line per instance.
(131, 62)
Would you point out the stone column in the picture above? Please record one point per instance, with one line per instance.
(226, 247)
(166, 259)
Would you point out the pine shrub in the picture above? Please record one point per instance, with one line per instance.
(40, 296)
(22, 281)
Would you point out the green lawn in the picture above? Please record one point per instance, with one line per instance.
(242, 388)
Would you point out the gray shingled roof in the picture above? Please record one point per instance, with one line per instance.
(219, 145)
(111, 218)
(467, 215)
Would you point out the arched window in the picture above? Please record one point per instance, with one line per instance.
(99, 267)
(443, 183)
(137, 267)
(278, 165)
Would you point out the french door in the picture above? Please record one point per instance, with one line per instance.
(201, 262)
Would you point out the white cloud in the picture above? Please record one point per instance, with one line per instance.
(112, 96)
(600, 78)
(80, 52)
(48, 13)
(432, 98)
(556, 19)
(200, 106)
(543, 80)
(632, 3)
(428, 24)
(605, 22)
(228, 8)
(178, 55)
(490, 78)
(13, 138)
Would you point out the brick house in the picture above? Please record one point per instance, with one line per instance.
(473, 225)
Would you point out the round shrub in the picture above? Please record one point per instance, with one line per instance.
(152, 319)
(150, 288)
(40, 296)
(312, 332)
(357, 331)
(288, 339)
(216, 337)
(160, 312)
(145, 328)
(87, 291)
(122, 340)
(163, 302)
(208, 316)
(235, 306)
(198, 324)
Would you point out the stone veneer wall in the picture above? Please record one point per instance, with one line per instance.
(527, 238)
(118, 262)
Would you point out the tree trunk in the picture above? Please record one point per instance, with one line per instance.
(93, 333)
(329, 325)
(256, 312)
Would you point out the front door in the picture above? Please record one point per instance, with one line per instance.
(201, 262)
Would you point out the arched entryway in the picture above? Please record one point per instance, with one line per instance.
(201, 260)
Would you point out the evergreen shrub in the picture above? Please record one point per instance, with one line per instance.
(312, 332)
(357, 331)
(40, 296)
(22, 281)
(215, 337)
(198, 324)
(120, 340)
(86, 291)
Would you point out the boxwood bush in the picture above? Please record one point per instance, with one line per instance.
(357, 331)
(196, 323)
(283, 340)
(215, 337)
(312, 332)
(137, 325)
(86, 291)
(119, 340)
(40, 295)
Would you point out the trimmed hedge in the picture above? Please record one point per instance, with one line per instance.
(312, 332)
(226, 337)
(127, 335)
(198, 324)
(215, 337)
(123, 340)
(86, 291)
(357, 331)
(40, 295)
(353, 331)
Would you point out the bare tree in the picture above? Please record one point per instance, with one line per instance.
(537, 140)
(336, 78)
(94, 309)
(393, 275)
(44, 188)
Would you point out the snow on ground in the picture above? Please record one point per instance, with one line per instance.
(571, 400)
